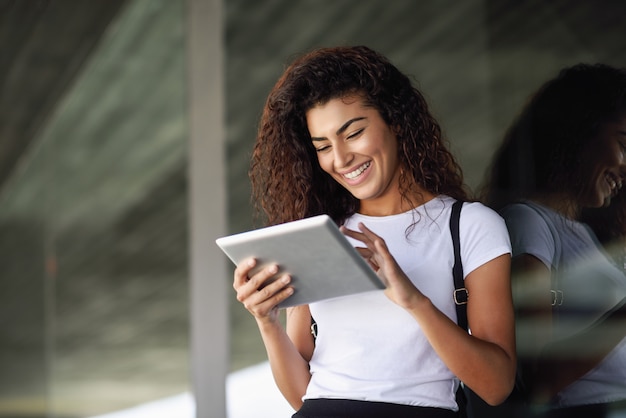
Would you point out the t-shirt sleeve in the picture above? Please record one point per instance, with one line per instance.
(483, 236)
(530, 233)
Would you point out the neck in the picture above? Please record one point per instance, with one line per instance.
(397, 205)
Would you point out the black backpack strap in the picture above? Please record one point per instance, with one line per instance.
(460, 295)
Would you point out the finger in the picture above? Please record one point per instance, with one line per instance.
(368, 238)
(364, 252)
(368, 256)
(367, 232)
(366, 235)
(268, 297)
(241, 272)
(373, 264)
(256, 281)
(380, 247)
(359, 236)
(374, 242)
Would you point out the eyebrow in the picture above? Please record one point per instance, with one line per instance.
(342, 129)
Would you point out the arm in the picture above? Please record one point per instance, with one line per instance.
(531, 282)
(485, 360)
(288, 351)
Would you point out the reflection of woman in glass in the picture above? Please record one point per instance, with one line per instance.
(557, 180)
(344, 132)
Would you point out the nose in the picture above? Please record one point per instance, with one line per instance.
(342, 155)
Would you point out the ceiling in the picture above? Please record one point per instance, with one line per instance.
(43, 45)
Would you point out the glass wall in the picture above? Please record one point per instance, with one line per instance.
(94, 306)
(476, 61)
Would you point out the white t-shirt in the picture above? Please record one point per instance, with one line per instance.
(367, 347)
(591, 285)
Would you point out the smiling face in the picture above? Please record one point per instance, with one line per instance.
(359, 150)
(605, 164)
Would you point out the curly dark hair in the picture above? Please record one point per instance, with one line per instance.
(287, 181)
(543, 148)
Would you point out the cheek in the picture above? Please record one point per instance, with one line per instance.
(609, 155)
(619, 157)
(325, 163)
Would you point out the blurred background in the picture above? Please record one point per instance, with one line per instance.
(95, 287)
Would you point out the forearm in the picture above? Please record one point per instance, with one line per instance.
(565, 361)
(289, 368)
(551, 375)
(485, 367)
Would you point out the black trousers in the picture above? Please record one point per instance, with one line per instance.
(343, 408)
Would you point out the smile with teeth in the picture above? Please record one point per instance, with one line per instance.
(356, 173)
(615, 182)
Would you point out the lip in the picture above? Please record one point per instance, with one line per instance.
(355, 175)
(614, 182)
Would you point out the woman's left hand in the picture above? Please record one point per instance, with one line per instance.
(398, 286)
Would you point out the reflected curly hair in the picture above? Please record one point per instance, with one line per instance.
(543, 148)
(287, 180)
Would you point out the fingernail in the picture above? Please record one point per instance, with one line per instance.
(273, 269)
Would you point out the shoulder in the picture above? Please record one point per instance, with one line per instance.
(476, 212)
(480, 220)
(483, 235)
(470, 209)
(532, 230)
(474, 216)
(523, 210)
(527, 217)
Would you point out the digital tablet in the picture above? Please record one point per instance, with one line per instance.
(318, 256)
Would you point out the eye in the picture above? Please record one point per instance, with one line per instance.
(322, 148)
(355, 133)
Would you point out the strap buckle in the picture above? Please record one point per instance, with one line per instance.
(557, 297)
(461, 296)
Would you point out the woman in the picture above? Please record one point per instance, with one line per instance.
(557, 181)
(343, 132)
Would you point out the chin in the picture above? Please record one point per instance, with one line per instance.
(606, 202)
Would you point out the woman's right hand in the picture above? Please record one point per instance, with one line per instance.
(260, 297)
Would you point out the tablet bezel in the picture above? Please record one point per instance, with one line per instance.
(320, 259)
